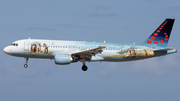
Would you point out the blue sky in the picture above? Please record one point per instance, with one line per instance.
(116, 21)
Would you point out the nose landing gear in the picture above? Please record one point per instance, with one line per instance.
(25, 65)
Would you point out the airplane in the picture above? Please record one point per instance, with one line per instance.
(66, 52)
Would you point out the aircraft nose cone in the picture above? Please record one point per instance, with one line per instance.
(5, 50)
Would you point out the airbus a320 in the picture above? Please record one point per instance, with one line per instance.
(66, 52)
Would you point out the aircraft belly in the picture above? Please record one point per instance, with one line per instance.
(125, 59)
(32, 55)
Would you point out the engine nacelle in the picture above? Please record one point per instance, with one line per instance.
(63, 59)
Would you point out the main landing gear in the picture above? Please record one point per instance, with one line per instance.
(25, 65)
(84, 67)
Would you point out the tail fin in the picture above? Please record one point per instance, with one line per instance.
(161, 35)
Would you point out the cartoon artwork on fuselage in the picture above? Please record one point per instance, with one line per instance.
(130, 53)
(45, 48)
(133, 52)
(39, 49)
(35, 48)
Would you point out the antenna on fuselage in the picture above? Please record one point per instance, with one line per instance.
(29, 38)
(104, 41)
(134, 43)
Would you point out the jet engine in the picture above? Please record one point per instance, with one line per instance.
(63, 59)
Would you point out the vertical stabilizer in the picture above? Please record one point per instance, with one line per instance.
(161, 35)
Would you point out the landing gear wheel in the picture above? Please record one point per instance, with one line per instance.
(84, 68)
(25, 65)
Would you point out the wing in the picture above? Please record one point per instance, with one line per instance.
(88, 53)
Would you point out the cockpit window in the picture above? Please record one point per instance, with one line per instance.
(14, 44)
